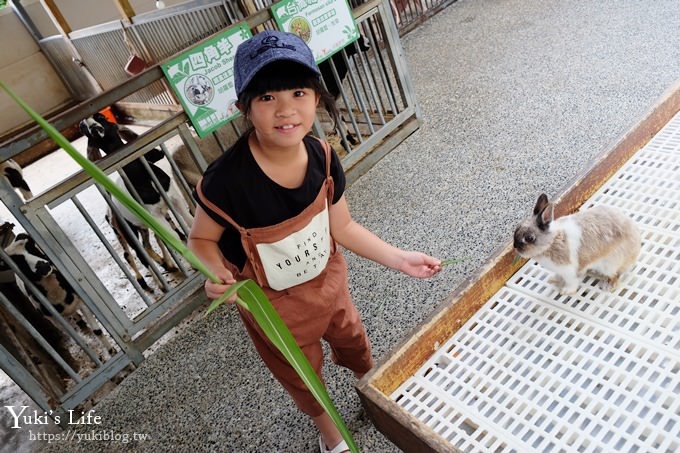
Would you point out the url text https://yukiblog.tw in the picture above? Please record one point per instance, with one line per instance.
(99, 435)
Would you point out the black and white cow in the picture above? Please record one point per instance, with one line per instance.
(12, 172)
(16, 337)
(107, 137)
(51, 283)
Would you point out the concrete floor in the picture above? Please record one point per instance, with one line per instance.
(517, 98)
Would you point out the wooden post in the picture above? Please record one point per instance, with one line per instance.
(64, 28)
(57, 18)
(125, 10)
(248, 8)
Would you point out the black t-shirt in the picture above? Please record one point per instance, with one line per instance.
(237, 185)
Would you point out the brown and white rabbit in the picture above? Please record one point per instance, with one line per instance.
(601, 240)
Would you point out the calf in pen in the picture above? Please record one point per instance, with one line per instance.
(27, 334)
(148, 183)
(35, 268)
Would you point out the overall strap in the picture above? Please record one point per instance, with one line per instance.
(330, 186)
(327, 152)
(216, 209)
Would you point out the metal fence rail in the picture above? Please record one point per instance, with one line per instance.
(68, 222)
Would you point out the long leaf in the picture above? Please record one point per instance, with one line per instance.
(250, 295)
(275, 329)
(227, 294)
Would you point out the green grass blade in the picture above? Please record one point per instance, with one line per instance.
(228, 293)
(449, 262)
(277, 332)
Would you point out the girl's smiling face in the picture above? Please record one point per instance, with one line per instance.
(283, 118)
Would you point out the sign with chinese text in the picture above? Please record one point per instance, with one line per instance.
(203, 80)
(326, 26)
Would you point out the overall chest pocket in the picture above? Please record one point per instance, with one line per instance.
(298, 257)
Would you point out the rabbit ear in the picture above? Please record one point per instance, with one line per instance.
(541, 203)
(545, 216)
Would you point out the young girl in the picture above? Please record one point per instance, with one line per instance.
(272, 209)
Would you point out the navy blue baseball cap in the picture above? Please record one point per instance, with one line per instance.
(267, 47)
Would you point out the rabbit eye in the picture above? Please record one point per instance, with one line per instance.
(530, 239)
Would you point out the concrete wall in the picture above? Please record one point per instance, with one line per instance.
(81, 14)
(24, 68)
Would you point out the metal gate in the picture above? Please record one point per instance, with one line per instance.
(67, 215)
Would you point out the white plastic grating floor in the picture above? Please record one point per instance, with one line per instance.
(597, 372)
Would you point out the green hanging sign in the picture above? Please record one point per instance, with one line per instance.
(327, 26)
(203, 80)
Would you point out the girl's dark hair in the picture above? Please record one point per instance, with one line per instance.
(287, 75)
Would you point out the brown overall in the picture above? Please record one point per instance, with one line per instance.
(319, 308)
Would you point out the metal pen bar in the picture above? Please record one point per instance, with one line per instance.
(123, 266)
(192, 147)
(358, 97)
(372, 84)
(178, 217)
(380, 66)
(124, 224)
(343, 94)
(25, 380)
(16, 314)
(35, 292)
(180, 179)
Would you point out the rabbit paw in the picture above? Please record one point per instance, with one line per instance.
(564, 287)
(556, 280)
(569, 286)
(569, 290)
(610, 283)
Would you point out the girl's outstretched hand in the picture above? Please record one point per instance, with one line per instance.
(420, 265)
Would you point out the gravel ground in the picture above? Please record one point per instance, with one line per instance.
(517, 98)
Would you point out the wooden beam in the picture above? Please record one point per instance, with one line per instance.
(125, 10)
(57, 18)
